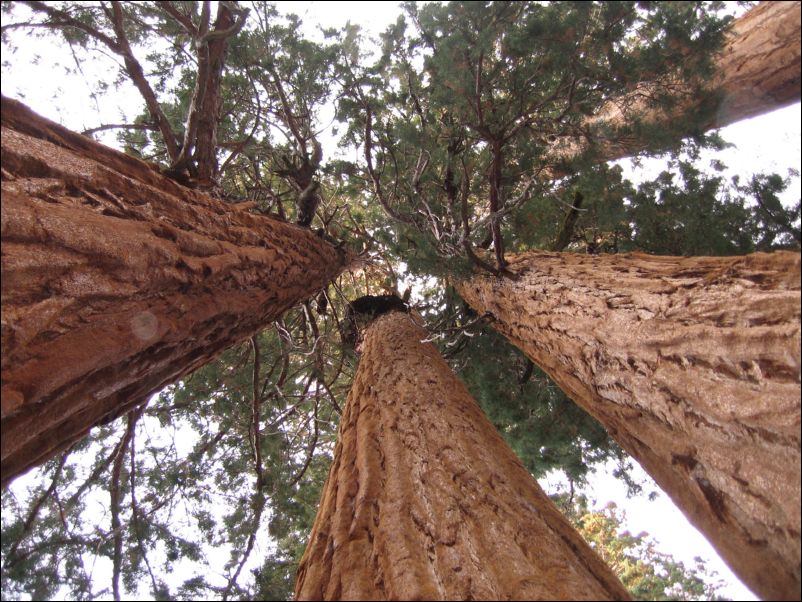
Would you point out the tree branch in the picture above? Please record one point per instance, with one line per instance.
(567, 231)
(34, 511)
(312, 444)
(137, 75)
(256, 401)
(135, 517)
(182, 19)
(258, 501)
(64, 19)
(121, 126)
(114, 491)
(372, 172)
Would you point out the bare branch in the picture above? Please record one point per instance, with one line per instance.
(64, 19)
(114, 491)
(182, 19)
(120, 126)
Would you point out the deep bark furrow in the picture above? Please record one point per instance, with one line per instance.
(118, 281)
(425, 500)
(694, 358)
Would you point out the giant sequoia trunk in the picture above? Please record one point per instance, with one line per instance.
(693, 366)
(117, 281)
(759, 68)
(758, 71)
(425, 501)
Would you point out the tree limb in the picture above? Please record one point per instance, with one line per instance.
(567, 231)
(182, 19)
(135, 517)
(120, 126)
(62, 19)
(37, 505)
(114, 491)
(137, 75)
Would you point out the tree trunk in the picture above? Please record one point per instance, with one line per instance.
(117, 281)
(425, 501)
(693, 366)
(758, 71)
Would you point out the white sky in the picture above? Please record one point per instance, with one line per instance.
(769, 142)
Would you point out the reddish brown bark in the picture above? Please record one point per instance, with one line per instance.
(759, 70)
(693, 366)
(117, 281)
(206, 100)
(425, 501)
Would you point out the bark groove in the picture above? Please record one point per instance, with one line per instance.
(693, 366)
(116, 281)
(425, 501)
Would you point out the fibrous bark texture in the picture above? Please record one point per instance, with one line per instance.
(693, 366)
(759, 70)
(117, 281)
(425, 501)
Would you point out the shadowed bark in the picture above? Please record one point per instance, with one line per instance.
(117, 281)
(693, 366)
(425, 500)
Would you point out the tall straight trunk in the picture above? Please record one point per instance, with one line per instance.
(693, 366)
(116, 281)
(425, 501)
(759, 70)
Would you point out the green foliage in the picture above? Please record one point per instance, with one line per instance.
(454, 150)
(647, 573)
(545, 429)
(688, 212)
(683, 211)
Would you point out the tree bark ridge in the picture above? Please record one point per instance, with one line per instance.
(693, 366)
(425, 501)
(118, 281)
